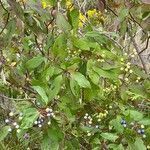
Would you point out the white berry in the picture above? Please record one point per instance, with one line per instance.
(11, 114)
(7, 120)
(49, 123)
(9, 130)
(18, 130)
(35, 122)
(17, 126)
(15, 123)
(39, 125)
(89, 134)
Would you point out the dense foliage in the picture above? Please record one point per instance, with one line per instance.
(70, 75)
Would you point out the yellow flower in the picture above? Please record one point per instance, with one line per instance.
(44, 5)
(82, 20)
(82, 17)
(68, 3)
(13, 64)
(91, 13)
(80, 24)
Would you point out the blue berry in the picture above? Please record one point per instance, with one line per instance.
(42, 120)
(123, 121)
(26, 136)
(142, 131)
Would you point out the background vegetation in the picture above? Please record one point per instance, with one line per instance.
(74, 75)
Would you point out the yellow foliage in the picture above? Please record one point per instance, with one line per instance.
(13, 64)
(45, 4)
(92, 13)
(82, 20)
(68, 3)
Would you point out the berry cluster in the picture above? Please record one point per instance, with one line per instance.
(89, 122)
(134, 53)
(110, 89)
(101, 115)
(72, 54)
(135, 126)
(40, 121)
(12, 122)
(50, 112)
(88, 119)
(46, 117)
(137, 80)
(123, 123)
(127, 68)
(141, 131)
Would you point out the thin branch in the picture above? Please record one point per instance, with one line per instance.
(138, 50)
(39, 46)
(112, 11)
(132, 19)
(3, 6)
(16, 99)
(147, 43)
(6, 19)
(120, 46)
(23, 87)
(5, 24)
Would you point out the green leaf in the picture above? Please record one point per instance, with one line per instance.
(74, 87)
(42, 93)
(123, 14)
(4, 132)
(94, 77)
(135, 115)
(72, 144)
(81, 80)
(10, 31)
(145, 121)
(116, 123)
(74, 17)
(47, 73)
(34, 62)
(109, 136)
(60, 45)
(138, 145)
(116, 146)
(49, 42)
(91, 73)
(45, 142)
(81, 44)
(123, 93)
(29, 117)
(52, 138)
(139, 72)
(98, 37)
(98, 34)
(55, 87)
(62, 23)
(110, 74)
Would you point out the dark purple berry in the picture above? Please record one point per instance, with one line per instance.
(142, 131)
(123, 121)
(26, 136)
